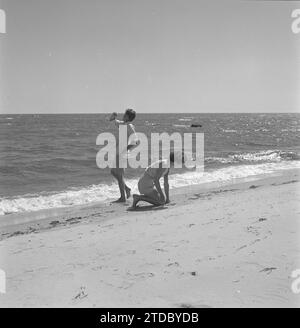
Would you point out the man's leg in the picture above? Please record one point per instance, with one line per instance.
(127, 190)
(119, 175)
(116, 175)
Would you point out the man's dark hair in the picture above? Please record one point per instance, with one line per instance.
(131, 114)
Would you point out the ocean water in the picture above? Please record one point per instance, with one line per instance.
(49, 161)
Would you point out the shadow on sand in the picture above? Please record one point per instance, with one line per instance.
(147, 208)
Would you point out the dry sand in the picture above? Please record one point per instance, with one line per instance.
(231, 246)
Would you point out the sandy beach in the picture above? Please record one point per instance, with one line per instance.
(105, 105)
(228, 246)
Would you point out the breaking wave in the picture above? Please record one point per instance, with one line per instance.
(105, 192)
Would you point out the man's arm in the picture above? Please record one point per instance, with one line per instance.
(113, 117)
(166, 187)
(118, 122)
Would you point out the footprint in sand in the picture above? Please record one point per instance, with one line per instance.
(253, 230)
(262, 219)
(108, 226)
(97, 214)
(190, 225)
(209, 258)
(97, 268)
(238, 249)
(54, 223)
(22, 250)
(82, 294)
(173, 264)
(268, 270)
(190, 305)
(144, 275)
(74, 220)
(160, 250)
(253, 187)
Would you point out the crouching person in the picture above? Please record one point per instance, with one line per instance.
(149, 184)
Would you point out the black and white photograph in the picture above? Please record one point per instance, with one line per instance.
(149, 156)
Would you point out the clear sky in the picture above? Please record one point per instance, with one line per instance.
(94, 56)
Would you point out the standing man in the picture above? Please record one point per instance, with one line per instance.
(118, 172)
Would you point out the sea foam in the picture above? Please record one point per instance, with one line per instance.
(105, 192)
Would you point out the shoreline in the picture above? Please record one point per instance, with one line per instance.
(27, 207)
(35, 221)
(232, 245)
